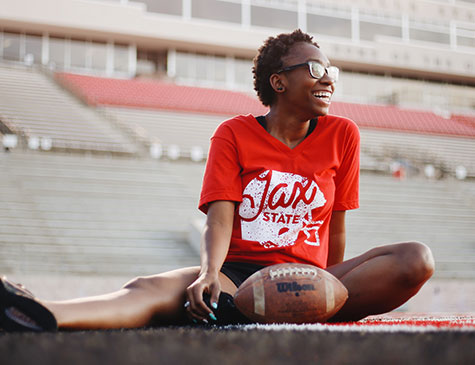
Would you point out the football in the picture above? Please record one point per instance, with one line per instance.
(290, 293)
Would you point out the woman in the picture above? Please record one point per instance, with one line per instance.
(275, 190)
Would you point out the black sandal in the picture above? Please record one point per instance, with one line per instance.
(20, 311)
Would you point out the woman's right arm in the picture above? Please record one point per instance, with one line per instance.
(215, 242)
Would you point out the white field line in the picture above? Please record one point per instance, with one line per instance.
(355, 328)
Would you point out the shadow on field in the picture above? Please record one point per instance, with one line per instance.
(234, 345)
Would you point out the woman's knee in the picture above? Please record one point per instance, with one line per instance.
(142, 283)
(168, 285)
(416, 262)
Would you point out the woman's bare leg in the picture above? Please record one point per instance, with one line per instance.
(383, 278)
(158, 297)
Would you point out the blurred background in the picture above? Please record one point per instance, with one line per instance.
(106, 109)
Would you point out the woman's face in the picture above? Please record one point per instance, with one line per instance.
(307, 95)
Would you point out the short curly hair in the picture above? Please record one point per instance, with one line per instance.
(269, 60)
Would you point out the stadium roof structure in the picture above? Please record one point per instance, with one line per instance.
(154, 94)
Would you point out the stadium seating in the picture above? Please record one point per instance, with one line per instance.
(166, 127)
(445, 152)
(440, 213)
(130, 215)
(154, 110)
(98, 215)
(76, 214)
(183, 129)
(33, 105)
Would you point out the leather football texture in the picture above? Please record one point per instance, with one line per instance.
(290, 293)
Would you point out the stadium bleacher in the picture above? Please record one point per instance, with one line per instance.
(101, 215)
(183, 129)
(34, 105)
(160, 110)
(166, 127)
(440, 213)
(111, 214)
(446, 152)
(63, 213)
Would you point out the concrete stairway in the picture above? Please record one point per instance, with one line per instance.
(98, 215)
(35, 106)
(74, 214)
(438, 213)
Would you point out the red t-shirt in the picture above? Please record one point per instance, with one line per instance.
(286, 196)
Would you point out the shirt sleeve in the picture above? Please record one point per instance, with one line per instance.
(222, 179)
(348, 173)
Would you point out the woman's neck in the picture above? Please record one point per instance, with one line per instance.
(289, 129)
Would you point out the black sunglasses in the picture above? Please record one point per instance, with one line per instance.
(316, 69)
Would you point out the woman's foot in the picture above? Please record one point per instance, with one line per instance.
(20, 311)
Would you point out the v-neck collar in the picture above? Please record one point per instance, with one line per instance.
(281, 145)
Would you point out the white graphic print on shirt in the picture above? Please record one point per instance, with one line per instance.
(278, 205)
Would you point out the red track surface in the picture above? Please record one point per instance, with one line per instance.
(422, 320)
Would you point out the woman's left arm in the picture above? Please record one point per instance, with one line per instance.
(337, 239)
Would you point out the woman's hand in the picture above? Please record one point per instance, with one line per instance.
(196, 308)
(214, 247)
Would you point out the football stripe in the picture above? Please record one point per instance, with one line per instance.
(329, 295)
(259, 296)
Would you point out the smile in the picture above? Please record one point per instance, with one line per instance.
(324, 95)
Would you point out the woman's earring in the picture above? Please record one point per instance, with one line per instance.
(280, 88)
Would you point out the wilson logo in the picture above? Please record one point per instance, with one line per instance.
(293, 286)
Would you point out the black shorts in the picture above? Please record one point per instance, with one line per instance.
(239, 271)
(227, 313)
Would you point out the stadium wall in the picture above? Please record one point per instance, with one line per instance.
(131, 23)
